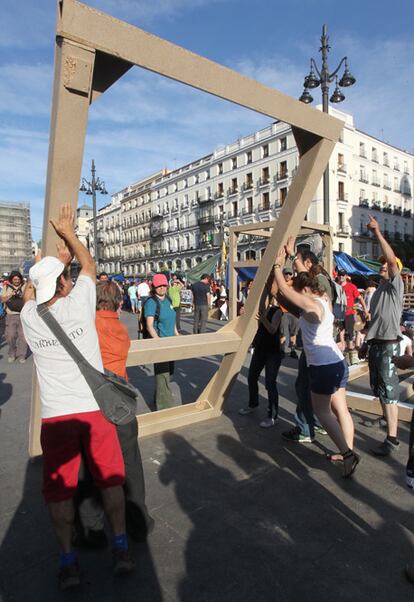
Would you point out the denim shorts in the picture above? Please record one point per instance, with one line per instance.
(327, 379)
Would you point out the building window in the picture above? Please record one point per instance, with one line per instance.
(234, 187)
(265, 151)
(249, 157)
(219, 169)
(362, 151)
(234, 209)
(234, 163)
(374, 154)
(341, 247)
(283, 144)
(265, 176)
(249, 180)
(249, 201)
(341, 191)
(283, 171)
(283, 195)
(265, 201)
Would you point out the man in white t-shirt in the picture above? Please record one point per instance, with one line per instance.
(72, 423)
(143, 291)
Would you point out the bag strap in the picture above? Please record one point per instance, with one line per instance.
(62, 337)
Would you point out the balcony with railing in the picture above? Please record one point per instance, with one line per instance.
(282, 175)
(363, 234)
(387, 208)
(397, 211)
(341, 168)
(363, 153)
(342, 230)
(232, 190)
(375, 205)
(247, 211)
(363, 178)
(375, 182)
(264, 181)
(407, 237)
(364, 203)
(407, 213)
(264, 207)
(247, 185)
(206, 219)
(343, 198)
(387, 186)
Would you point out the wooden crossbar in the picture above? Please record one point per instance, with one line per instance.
(149, 351)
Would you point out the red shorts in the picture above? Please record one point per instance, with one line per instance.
(64, 438)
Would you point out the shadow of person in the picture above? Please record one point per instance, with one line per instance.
(6, 389)
(259, 529)
(29, 555)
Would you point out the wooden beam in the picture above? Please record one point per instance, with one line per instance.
(311, 168)
(150, 351)
(102, 32)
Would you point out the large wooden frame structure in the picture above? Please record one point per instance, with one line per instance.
(93, 50)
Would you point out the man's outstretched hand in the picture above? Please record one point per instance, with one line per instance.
(64, 225)
(373, 225)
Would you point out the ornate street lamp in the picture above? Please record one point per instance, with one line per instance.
(91, 188)
(323, 78)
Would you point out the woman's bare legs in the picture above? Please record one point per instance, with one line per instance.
(323, 410)
(346, 423)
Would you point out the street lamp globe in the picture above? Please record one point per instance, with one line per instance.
(337, 96)
(347, 79)
(306, 97)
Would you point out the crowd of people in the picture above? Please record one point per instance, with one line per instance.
(92, 467)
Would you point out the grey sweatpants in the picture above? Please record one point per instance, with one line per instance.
(15, 337)
(200, 318)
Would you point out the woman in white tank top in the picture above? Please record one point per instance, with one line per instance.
(328, 371)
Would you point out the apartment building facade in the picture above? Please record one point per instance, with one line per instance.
(176, 219)
(15, 235)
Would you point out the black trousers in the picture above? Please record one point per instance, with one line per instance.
(270, 361)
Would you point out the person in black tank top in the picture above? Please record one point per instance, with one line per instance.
(267, 355)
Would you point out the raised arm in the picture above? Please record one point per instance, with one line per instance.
(313, 311)
(64, 227)
(386, 249)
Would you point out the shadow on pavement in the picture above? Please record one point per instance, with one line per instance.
(29, 559)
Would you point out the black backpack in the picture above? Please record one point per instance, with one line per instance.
(142, 323)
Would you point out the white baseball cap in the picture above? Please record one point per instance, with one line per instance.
(44, 275)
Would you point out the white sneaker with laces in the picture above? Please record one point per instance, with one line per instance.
(246, 411)
(268, 423)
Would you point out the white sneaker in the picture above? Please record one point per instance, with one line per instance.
(10, 359)
(266, 424)
(246, 411)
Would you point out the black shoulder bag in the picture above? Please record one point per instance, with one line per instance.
(116, 398)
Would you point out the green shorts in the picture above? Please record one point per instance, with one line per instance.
(382, 372)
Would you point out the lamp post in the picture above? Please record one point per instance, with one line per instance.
(91, 188)
(323, 78)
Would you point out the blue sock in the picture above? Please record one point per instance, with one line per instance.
(67, 558)
(120, 542)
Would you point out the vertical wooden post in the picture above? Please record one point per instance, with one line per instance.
(71, 98)
(232, 275)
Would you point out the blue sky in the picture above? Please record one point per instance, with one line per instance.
(146, 122)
